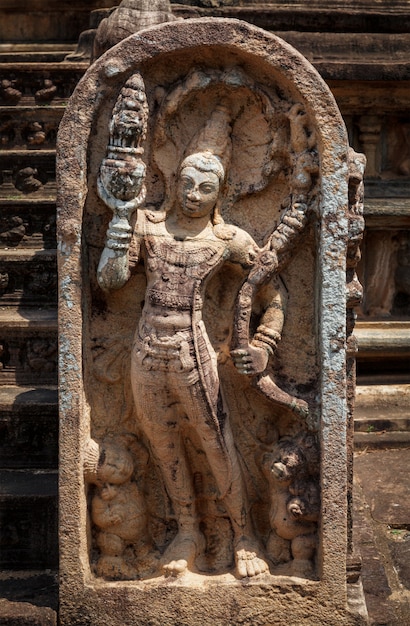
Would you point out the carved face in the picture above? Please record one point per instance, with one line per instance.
(115, 466)
(122, 179)
(197, 192)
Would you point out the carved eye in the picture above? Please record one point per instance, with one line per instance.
(188, 183)
(207, 188)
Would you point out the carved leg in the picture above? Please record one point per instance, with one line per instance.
(303, 552)
(181, 553)
(221, 453)
(167, 449)
(160, 418)
(249, 555)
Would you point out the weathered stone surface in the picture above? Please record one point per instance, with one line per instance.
(230, 148)
(51, 20)
(383, 546)
(25, 614)
(385, 485)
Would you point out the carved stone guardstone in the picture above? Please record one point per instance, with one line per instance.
(203, 220)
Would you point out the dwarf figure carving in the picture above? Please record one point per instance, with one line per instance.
(118, 510)
(292, 470)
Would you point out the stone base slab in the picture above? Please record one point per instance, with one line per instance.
(193, 600)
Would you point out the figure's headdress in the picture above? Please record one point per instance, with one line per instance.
(214, 137)
(210, 148)
(242, 138)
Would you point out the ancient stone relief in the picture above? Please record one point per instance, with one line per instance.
(23, 134)
(354, 296)
(28, 359)
(28, 283)
(32, 229)
(354, 289)
(8, 92)
(38, 88)
(201, 373)
(386, 274)
(383, 268)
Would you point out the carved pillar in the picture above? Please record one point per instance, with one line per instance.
(370, 131)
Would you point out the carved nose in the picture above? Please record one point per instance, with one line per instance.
(193, 194)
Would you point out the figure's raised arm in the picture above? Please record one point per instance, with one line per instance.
(114, 268)
(121, 179)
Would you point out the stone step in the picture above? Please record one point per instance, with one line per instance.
(382, 416)
(24, 589)
(313, 17)
(384, 348)
(29, 128)
(383, 339)
(26, 49)
(30, 586)
(28, 519)
(39, 84)
(26, 614)
(27, 220)
(382, 407)
(28, 277)
(28, 346)
(28, 427)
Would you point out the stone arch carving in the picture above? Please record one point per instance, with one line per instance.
(290, 198)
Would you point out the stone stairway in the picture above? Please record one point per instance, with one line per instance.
(382, 416)
(382, 408)
(34, 89)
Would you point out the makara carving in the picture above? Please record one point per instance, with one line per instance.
(230, 477)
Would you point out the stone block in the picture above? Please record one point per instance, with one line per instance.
(28, 519)
(204, 395)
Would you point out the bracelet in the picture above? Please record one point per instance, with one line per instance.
(266, 338)
(119, 235)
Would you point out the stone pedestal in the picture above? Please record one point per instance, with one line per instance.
(204, 456)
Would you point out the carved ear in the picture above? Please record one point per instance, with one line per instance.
(91, 461)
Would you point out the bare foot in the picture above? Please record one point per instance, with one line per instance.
(247, 559)
(180, 555)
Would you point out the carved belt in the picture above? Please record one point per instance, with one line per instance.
(174, 300)
(171, 354)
